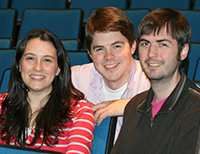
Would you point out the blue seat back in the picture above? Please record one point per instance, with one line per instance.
(196, 5)
(4, 3)
(21, 5)
(71, 44)
(104, 136)
(65, 23)
(136, 15)
(193, 17)
(8, 22)
(6, 59)
(7, 149)
(88, 5)
(4, 80)
(154, 4)
(6, 42)
(193, 55)
(78, 57)
(196, 75)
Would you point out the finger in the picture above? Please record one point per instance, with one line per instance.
(98, 106)
(103, 116)
(98, 113)
(92, 105)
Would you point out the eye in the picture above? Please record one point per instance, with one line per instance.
(99, 49)
(163, 44)
(117, 46)
(48, 60)
(30, 58)
(144, 43)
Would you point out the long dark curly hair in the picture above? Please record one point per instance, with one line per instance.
(55, 114)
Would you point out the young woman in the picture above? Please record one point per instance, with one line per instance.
(41, 108)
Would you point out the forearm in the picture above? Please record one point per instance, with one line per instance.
(109, 109)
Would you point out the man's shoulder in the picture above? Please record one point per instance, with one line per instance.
(192, 89)
(83, 68)
(137, 99)
(84, 76)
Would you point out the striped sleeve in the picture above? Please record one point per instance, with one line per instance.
(2, 98)
(81, 131)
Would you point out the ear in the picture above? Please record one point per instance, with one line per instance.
(89, 53)
(133, 47)
(184, 51)
(57, 71)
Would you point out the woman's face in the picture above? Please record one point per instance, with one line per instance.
(39, 65)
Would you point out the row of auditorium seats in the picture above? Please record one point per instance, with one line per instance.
(69, 44)
(67, 24)
(87, 5)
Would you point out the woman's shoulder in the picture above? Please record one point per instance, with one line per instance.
(81, 105)
(3, 97)
(82, 112)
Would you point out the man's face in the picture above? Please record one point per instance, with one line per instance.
(158, 55)
(112, 57)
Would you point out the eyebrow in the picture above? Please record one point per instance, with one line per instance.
(35, 55)
(100, 46)
(162, 40)
(97, 46)
(144, 40)
(117, 42)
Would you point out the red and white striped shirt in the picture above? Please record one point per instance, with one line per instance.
(77, 138)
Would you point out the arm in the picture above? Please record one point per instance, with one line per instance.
(82, 129)
(109, 109)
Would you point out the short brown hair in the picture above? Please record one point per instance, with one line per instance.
(106, 20)
(177, 25)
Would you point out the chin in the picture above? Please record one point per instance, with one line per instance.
(154, 77)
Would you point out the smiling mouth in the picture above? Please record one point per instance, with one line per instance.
(37, 76)
(154, 64)
(111, 66)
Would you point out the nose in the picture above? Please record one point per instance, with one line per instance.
(153, 51)
(38, 65)
(109, 55)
